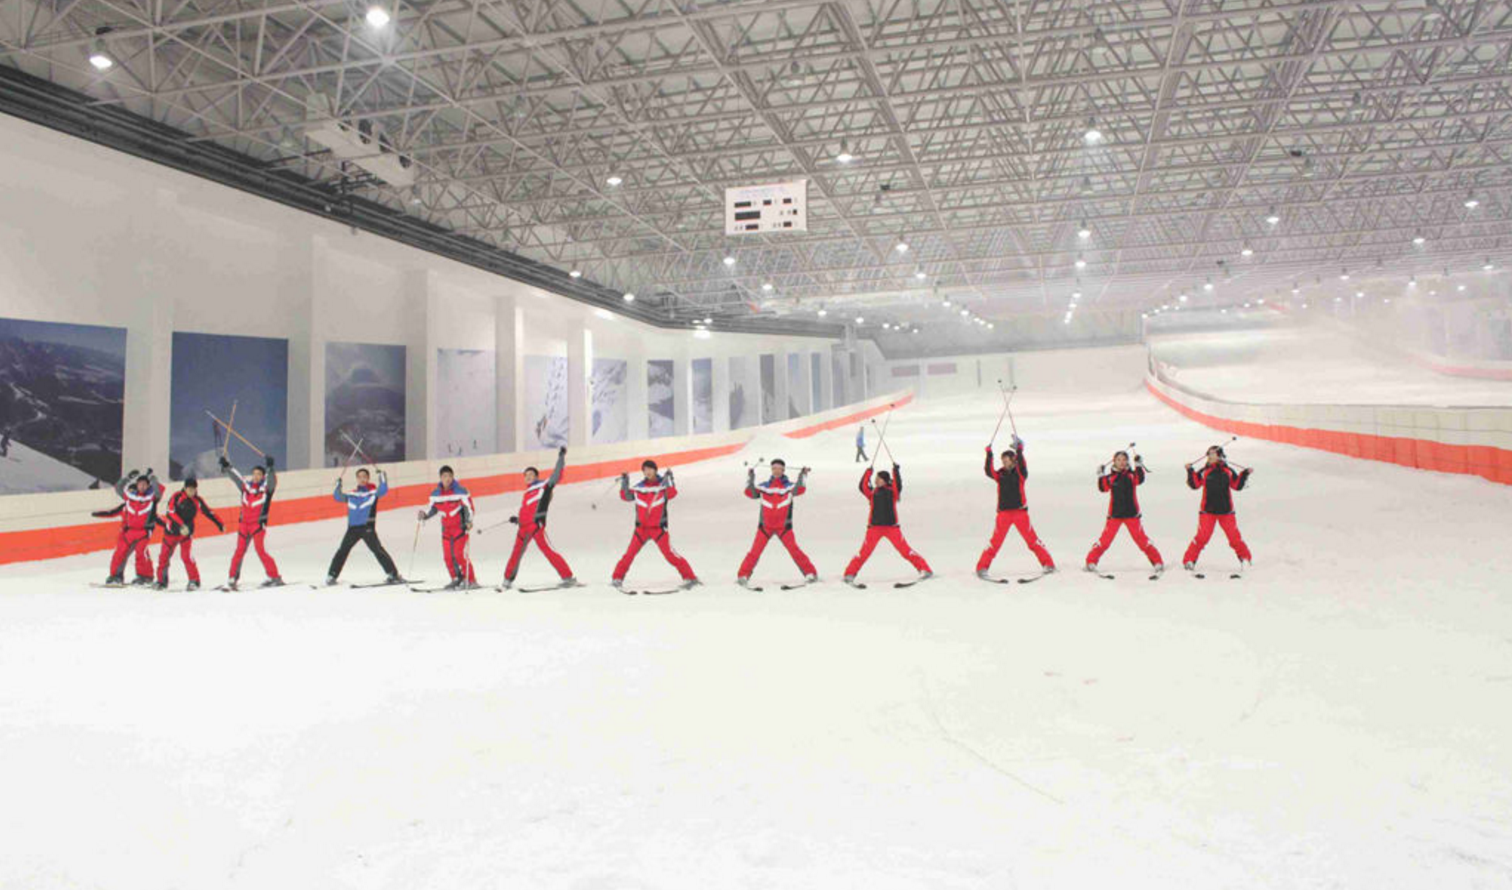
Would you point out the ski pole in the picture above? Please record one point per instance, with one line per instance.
(603, 494)
(356, 447)
(232, 432)
(1008, 406)
(414, 547)
(228, 425)
(1141, 464)
(492, 527)
(1232, 439)
(1001, 414)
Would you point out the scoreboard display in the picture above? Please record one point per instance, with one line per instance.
(777, 207)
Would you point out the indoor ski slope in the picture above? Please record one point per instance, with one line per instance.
(1315, 364)
(1337, 718)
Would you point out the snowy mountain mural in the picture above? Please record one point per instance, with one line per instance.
(467, 406)
(659, 398)
(611, 401)
(62, 404)
(547, 418)
(365, 399)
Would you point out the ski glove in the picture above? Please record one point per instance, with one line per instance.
(420, 514)
(514, 520)
(269, 461)
(224, 464)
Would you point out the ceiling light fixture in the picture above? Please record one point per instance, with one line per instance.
(1247, 251)
(377, 16)
(575, 273)
(614, 181)
(844, 157)
(1273, 217)
(729, 260)
(629, 297)
(901, 246)
(1084, 233)
(766, 286)
(1419, 240)
(1092, 136)
(1472, 202)
(1081, 262)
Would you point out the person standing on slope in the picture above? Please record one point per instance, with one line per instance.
(452, 501)
(861, 444)
(252, 525)
(1218, 481)
(362, 525)
(650, 495)
(882, 522)
(532, 522)
(1012, 508)
(178, 532)
(776, 495)
(139, 494)
(1123, 509)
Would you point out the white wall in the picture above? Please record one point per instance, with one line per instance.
(89, 235)
(1048, 370)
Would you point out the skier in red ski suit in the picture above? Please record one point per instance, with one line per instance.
(178, 532)
(1012, 508)
(139, 495)
(650, 495)
(532, 522)
(455, 505)
(776, 495)
(252, 525)
(882, 522)
(1123, 509)
(1218, 481)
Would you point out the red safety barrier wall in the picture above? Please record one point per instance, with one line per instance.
(1486, 461)
(848, 419)
(50, 543)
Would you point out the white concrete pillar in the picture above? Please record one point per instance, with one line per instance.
(149, 346)
(682, 394)
(721, 380)
(306, 409)
(579, 376)
(636, 397)
(419, 366)
(509, 368)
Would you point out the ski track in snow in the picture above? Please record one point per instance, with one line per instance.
(1337, 718)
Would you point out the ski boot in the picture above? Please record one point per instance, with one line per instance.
(272, 582)
(192, 585)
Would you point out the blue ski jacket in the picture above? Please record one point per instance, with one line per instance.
(362, 503)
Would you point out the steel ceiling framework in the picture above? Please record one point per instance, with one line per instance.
(1360, 125)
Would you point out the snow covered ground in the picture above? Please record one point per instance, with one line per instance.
(1314, 365)
(1338, 718)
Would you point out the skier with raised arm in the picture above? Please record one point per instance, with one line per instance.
(532, 522)
(651, 494)
(776, 520)
(1121, 484)
(362, 525)
(252, 525)
(882, 495)
(1217, 482)
(139, 494)
(1012, 508)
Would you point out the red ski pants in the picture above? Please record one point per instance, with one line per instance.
(788, 539)
(1019, 519)
(535, 533)
(132, 540)
(1136, 531)
(1205, 523)
(254, 537)
(458, 562)
(165, 557)
(663, 542)
(875, 534)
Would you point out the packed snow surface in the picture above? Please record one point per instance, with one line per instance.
(1316, 364)
(1336, 719)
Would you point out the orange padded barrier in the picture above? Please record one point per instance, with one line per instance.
(1485, 461)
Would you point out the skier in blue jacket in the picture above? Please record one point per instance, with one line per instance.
(362, 525)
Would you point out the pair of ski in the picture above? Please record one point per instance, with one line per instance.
(1233, 576)
(1106, 576)
(237, 588)
(897, 585)
(1026, 579)
(398, 582)
(801, 584)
